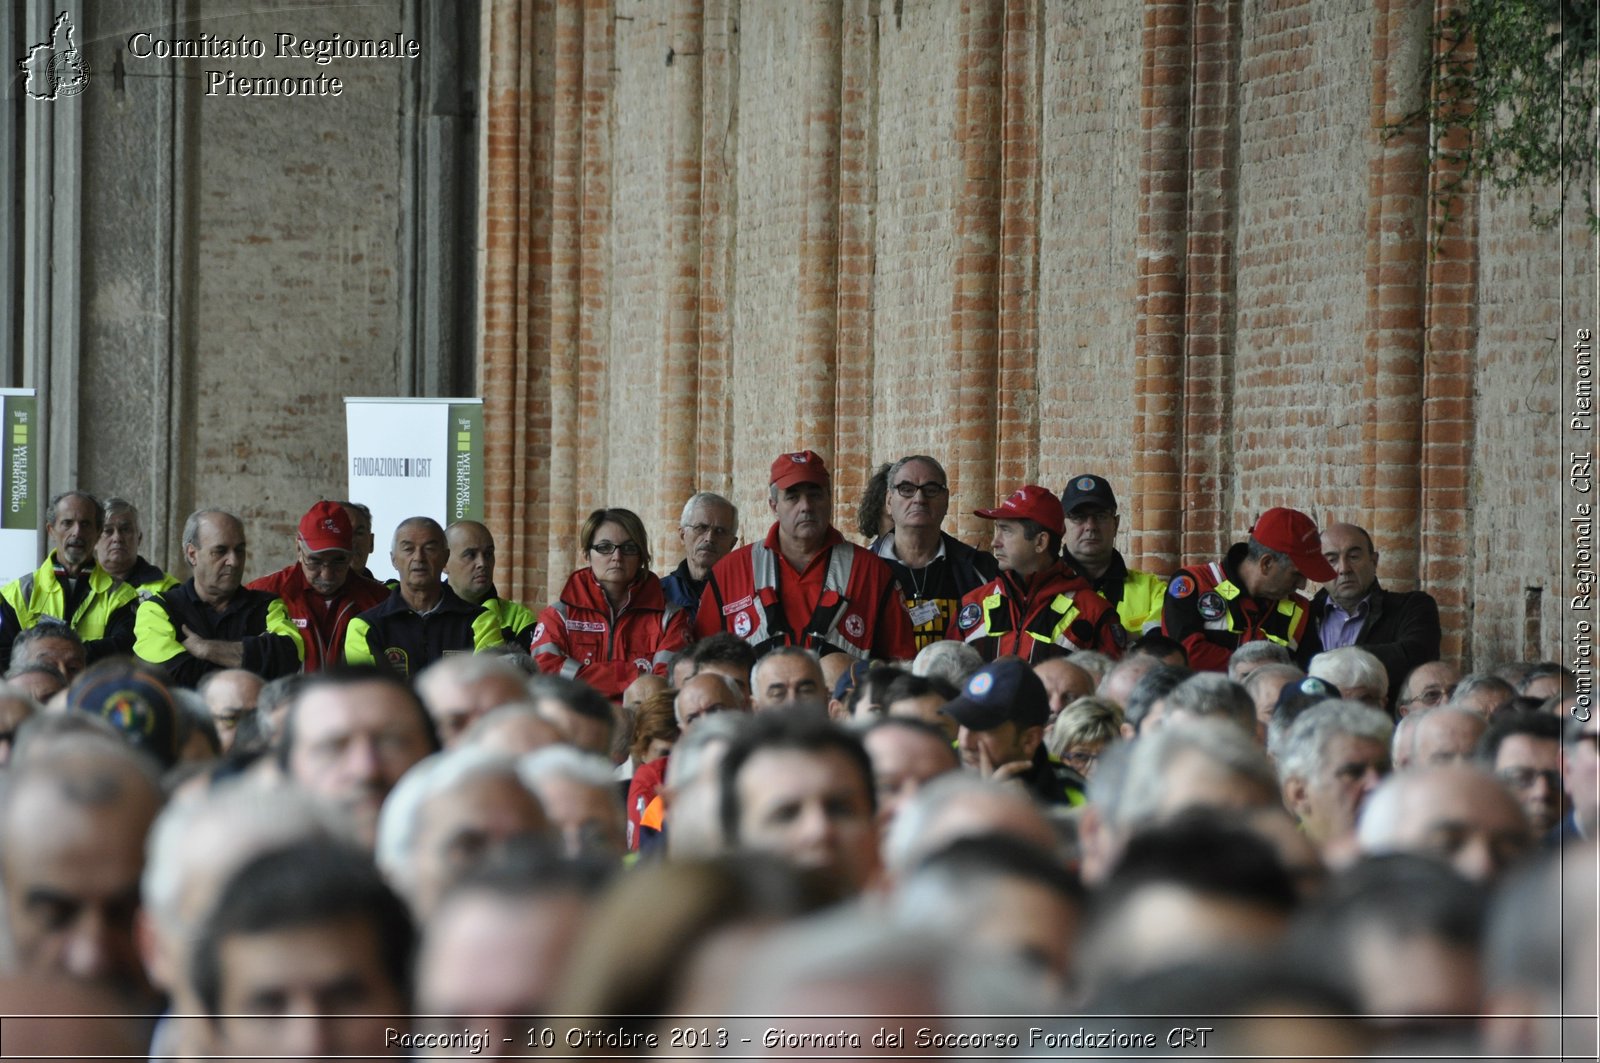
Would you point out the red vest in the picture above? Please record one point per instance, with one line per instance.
(859, 609)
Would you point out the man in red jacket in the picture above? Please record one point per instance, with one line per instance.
(1039, 607)
(320, 590)
(1251, 594)
(804, 585)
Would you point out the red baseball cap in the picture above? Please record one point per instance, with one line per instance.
(1035, 503)
(801, 467)
(326, 526)
(1295, 535)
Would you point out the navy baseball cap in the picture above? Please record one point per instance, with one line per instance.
(135, 701)
(1301, 695)
(1088, 490)
(1003, 691)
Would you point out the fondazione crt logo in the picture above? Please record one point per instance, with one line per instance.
(56, 68)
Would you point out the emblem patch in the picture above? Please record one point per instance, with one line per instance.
(1119, 636)
(854, 626)
(980, 684)
(397, 659)
(970, 615)
(1211, 605)
(538, 631)
(1180, 587)
(1313, 685)
(742, 625)
(1085, 483)
(642, 664)
(128, 711)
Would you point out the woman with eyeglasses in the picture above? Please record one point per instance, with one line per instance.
(612, 622)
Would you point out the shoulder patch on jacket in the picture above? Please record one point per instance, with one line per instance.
(1180, 587)
(1212, 606)
(970, 614)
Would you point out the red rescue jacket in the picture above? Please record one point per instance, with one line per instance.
(1052, 614)
(850, 595)
(579, 637)
(320, 621)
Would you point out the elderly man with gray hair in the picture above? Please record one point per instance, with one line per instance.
(1359, 675)
(212, 621)
(447, 815)
(1195, 762)
(580, 798)
(708, 529)
(935, 570)
(1331, 760)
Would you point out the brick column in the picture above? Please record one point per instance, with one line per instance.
(1447, 406)
(516, 429)
(718, 198)
(1017, 430)
(974, 320)
(593, 176)
(675, 478)
(819, 237)
(1397, 262)
(1161, 244)
(858, 156)
(1209, 280)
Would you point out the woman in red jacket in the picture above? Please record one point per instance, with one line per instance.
(612, 622)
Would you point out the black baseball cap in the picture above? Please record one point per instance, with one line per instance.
(1003, 691)
(1088, 490)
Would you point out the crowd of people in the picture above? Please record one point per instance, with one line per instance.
(800, 797)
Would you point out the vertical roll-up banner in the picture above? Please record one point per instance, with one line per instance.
(414, 458)
(21, 518)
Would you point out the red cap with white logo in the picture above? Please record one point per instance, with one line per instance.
(1035, 503)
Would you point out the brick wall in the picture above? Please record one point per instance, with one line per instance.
(1164, 241)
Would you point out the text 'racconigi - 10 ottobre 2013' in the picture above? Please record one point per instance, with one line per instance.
(319, 51)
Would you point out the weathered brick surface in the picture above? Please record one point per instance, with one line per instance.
(1166, 242)
(1519, 460)
(1088, 273)
(294, 273)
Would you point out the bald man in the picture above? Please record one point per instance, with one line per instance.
(1400, 628)
(470, 573)
(423, 619)
(212, 622)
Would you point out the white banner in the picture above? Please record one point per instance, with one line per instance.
(414, 458)
(22, 514)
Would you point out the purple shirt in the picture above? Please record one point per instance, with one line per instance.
(1340, 628)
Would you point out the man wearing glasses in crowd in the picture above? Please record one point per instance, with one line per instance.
(1090, 545)
(708, 529)
(934, 570)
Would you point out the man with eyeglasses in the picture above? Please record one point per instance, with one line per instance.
(423, 619)
(934, 570)
(803, 585)
(1039, 606)
(1524, 752)
(1092, 522)
(1400, 628)
(320, 591)
(708, 529)
(1425, 686)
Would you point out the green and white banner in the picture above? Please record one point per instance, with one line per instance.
(414, 458)
(21, 512)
